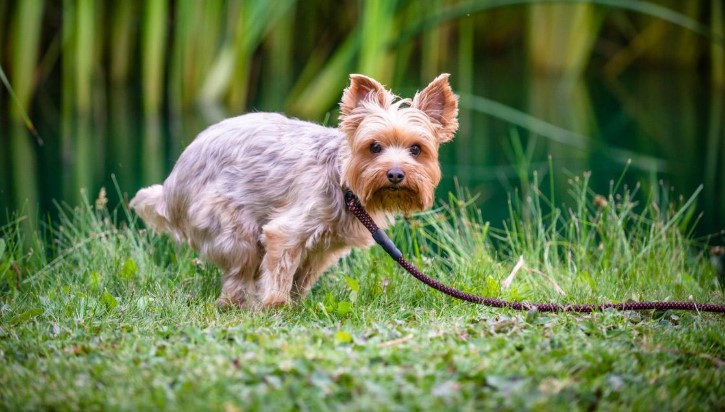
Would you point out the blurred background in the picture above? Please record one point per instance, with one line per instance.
(116, 90)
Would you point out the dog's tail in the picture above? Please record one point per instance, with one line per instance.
(149, 203)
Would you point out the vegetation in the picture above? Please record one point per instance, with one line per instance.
(105, 82)
(192, 52)
(98, 314)
(101, 316)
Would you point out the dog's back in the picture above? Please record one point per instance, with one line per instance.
(243, 171)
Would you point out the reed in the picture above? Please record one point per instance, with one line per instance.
(26, 38)
(561, 37)
(212, 51)
(26, 30)
(683, 46)
(717, 50)
(153, 53)
(256, 18)
(240, 55)
(194, 46)
(278, 62)
(377, 27)
(86, 17)
(122, 39)
(320, 83)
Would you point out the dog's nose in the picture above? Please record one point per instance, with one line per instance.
(395, 175)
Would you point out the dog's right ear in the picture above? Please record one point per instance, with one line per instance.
(439, 102)
(362, 89)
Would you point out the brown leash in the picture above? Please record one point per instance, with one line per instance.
(353, 203)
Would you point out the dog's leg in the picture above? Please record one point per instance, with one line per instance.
(237, 290)
(312, 269)
(280, 262)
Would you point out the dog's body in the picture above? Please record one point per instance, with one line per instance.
(261, 195)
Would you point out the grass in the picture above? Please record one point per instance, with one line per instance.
(99, 315)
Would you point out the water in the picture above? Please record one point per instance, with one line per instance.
(669, 124)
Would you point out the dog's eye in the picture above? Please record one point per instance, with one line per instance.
(376, 148)
(415, 150)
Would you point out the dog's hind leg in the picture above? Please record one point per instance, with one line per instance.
(237, 290)
(280, 262)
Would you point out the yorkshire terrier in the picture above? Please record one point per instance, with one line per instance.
(262, 195)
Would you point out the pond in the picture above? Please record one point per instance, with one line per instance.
(664, 130)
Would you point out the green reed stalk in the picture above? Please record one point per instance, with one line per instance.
(255, 19)
(4, 10)
(153, 52)
(459, 10)
(561, 36)
(198, 31)
(246, 39)
(464, 82)
(26, 39)
(434, 44)
(377, 28)
(405, 53)
(181, 77)
(122, 39)
(278, 63)
(322, 90)
(682, 46)
(717, 51)
(68, 88)
(83, 52)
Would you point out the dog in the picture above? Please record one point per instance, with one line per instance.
(262, 195)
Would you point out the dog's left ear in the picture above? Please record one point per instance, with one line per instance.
(439, 102)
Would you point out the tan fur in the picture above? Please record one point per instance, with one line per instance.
(261, 195)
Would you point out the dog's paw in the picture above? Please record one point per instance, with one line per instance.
(274, 299)
(226, 302)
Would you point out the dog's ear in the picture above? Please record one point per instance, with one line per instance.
(361, 89)
(439, 102)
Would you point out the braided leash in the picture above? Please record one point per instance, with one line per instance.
(353, 203)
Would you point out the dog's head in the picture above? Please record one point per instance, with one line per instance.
(393, 164)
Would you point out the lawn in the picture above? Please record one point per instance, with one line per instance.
(97, 314)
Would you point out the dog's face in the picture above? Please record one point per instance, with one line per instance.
(394, 144)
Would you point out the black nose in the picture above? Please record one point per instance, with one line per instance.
(395, 175)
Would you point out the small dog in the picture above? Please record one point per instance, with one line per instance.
(262, 195)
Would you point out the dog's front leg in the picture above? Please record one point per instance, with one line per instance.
(314, 266)
(280, 262)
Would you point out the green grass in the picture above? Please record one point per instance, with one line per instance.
(99, 315)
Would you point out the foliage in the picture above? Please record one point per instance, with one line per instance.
(241, 52)
(102, 315)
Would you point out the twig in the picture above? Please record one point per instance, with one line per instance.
(506, 283)
(395, 341)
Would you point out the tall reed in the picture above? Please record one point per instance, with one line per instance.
(153, 54)
(561, 37)
(212, 51)
(717, 49)
(241, 55)
(377, 27)
(122, 39)
(26, 38)
(86, 18)
(26, 30)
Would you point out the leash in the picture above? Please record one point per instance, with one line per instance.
(353, 204)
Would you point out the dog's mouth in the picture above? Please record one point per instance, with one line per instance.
(395, 198)
(395, 189)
